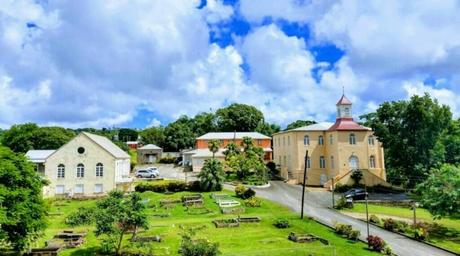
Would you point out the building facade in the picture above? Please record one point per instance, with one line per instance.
(149, 154)
(88, 165)
(197, 156)
(334, 151)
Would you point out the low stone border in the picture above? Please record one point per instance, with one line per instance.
(306, 238)
(226, 223)
(156, 238)
(261, 186)
(249, 219)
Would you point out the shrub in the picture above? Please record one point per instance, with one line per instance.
(239, 190)
(354, 235)
(343, 229)
(281, 223)
(342, 203)
(273, 171)
(374, 219)
(252, 202)
(420, 233)
(242, 192)
(83, 216)
(161, 186)
(357, 175)
(395, 225)
(194, 186)
(387, 250)
(376, 243)
(167, 160)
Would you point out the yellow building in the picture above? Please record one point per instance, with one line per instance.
(334, 151)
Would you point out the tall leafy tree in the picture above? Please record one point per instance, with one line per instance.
(239, 117)
(22, 209)
(204, 123)
(267, 128)
(248, 164)
(126, 134)
(410, 132)
(299, 123)
(212, 175)
(153, 135)
(451, 143)
(51, 137)
(440, 193)
(179, 135)
(116, 216)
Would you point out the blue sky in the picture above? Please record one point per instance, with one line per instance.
(141, 63)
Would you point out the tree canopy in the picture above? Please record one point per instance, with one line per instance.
(299, 123)
(22, 209)
(239, 117)
(126, 134)
(411, 133)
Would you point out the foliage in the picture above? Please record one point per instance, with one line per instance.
(23, 137)
(83, 216)
(357, 176)
(272, 170)
(376, 243)
(167, 160)
(343, 229)
(212, 175)
(116, 215)
(354, 235)
(213, 146)
(239, 117)
(22, 211)
(179, 135)
(281, 223)
(197, 247)
(162, 186)
(440, 193)
(267, 128)
(242, 192)
(122, 145)
(374, 219)
(126, 134)
(387, 250)
(253, 202)
(410, 132)
(342, 203)
(239, 190)
(420, 233)
(395, 225)
(153, 135)
(248, 164)
(299, 123)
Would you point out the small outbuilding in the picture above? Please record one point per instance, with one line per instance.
(149, 154)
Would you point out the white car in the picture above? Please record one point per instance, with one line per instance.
(151, 172)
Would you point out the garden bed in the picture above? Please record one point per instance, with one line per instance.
(164, 202)
(234, 210)
(249, 219)
(147, 239)
(226, 223)
(306, 238)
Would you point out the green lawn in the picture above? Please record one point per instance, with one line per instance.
(133, 155)
(422, 215)
(248, 239)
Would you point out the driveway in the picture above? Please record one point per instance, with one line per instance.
(170, 172)
(316, 206)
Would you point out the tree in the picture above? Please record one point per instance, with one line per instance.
(211, 175)
(153, 135)
(249, 163)
(299, 123)
(203, 123)
(238, 117)
(451, 143)
(23, 137)
(22, 209)
(126, 134)
(213, 146)
(116, 216)
(410, 132)
(267, 128)
(440, 193)
(179, 135)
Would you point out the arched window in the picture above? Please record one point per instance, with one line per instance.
(99, 170)
(352, 139)
(61, 171)
(331, 139)
(372, 162)
(320, 140)
(80, 171)
(353, 163)
(306, 140)
(371, 140)
(322, 162)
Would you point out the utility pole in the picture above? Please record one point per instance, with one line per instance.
(367, 212)
(333, 199)
(414, 207)
(304, 183)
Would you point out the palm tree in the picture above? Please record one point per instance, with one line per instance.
(213, 146)
(211, 175)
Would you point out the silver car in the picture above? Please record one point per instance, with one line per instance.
(151, 172)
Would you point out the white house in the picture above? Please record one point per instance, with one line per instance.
(88, 165)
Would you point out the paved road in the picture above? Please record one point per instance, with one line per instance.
(316, 206)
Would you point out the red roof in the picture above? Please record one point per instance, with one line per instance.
(344, 101)
(346, 124)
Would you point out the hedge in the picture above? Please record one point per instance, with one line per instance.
(163, 186)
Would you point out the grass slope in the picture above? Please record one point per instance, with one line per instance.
(248, 239)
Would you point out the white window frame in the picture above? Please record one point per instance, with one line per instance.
(320, 140)
(322, 162)
(80, 170)
(371, 140)
(99, 170)
(372, 162)
(61, 171)
(308, 162)
(306, 140)
(352, 139)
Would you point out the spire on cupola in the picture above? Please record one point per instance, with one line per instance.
(344, 107)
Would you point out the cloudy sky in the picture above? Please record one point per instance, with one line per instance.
(137, 63)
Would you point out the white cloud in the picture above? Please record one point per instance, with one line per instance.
(154, 123)
(444, 96)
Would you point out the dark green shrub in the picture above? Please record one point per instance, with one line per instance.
(242, 192)
(354, 235)
(281, 223)
(167, 160)
(376, 243)
(357, 176)
(342, 203)
(272, 170)
(162, 186)
(194, 186)
(249, 193)
(199, 247)
(343, 229)
(252, 202)
(374, 219)
(83, 216)
(395, 225)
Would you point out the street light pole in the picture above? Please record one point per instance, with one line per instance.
(303, 184)
(333, 199)
(367, 213)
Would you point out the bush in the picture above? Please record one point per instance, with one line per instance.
(354, 235)
(162, 186)
(200, 247)
(194, 186)
(395, 225)
(272, 170)
(374, 219)
(376, 243)
(281, 223)
(242, 192)
(167, 160)
(252, 202)
(83, 216)
(343, 229)
(342, 203)
(387, 250)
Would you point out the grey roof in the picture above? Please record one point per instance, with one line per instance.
(107, 145)
(323, 126)
(231, 135)
(150, 146)
(39, 156)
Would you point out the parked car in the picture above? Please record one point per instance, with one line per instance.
(355, 194)
(151, 172)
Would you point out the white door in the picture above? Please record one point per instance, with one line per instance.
(353, 163)
(152, 159)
